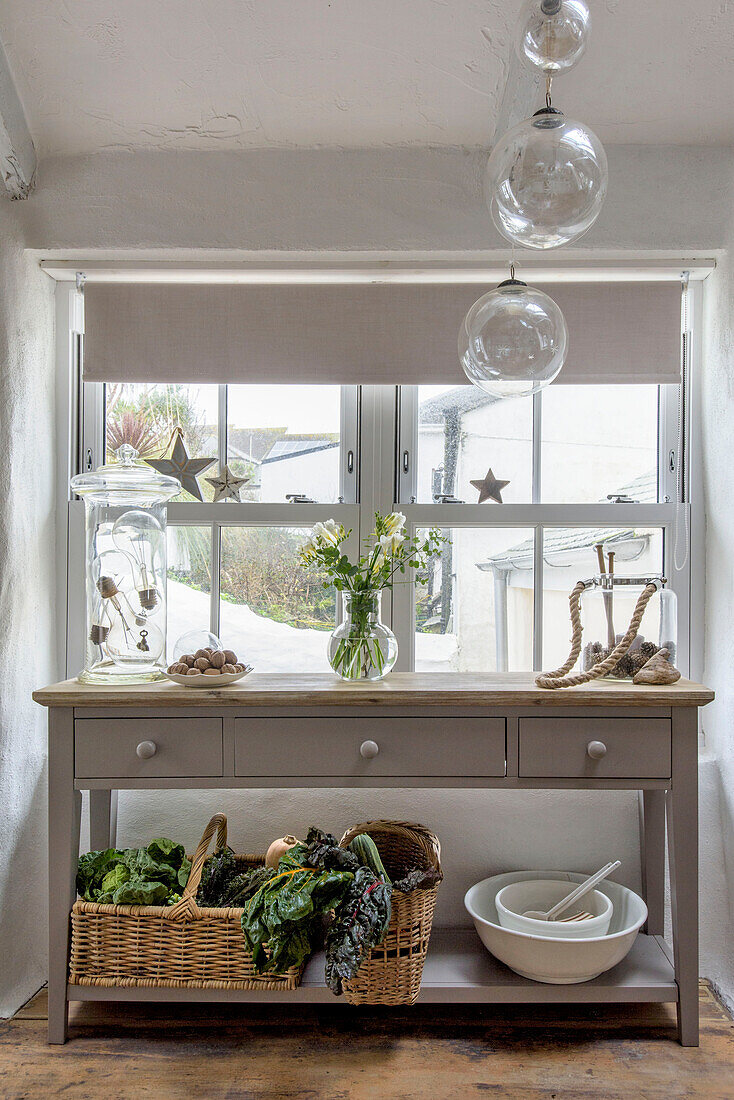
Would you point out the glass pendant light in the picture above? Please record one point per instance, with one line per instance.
(513, 340)
(546, 180)
(552, 34)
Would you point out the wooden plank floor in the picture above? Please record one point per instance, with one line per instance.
(121, 1051)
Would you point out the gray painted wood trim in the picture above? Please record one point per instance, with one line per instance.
(652, 856)
(64, 815)
(102, 819)
(682, 820)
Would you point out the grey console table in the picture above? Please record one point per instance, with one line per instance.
(412, 730)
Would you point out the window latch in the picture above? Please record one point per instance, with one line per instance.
(299, 498)
(620, 498)
(447, 498)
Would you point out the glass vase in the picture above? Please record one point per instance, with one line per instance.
(362, 647)
(607, 606)
(126, 570)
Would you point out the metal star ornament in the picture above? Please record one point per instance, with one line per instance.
(180, 466)
(490, 488)
(227, 486)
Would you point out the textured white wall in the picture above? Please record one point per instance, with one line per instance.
(28, 601)
(717, 768)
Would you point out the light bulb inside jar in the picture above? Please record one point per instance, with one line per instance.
(139, 535)
(100, 625)
(135, 647)
(113, 579)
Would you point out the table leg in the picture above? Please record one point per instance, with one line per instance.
(102, 820)
(652, 843)
(682, 814)
(64, 814)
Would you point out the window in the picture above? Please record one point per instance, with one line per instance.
(572, 466)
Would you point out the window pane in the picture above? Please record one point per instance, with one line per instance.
(474, 609)
(285, 439)
(462, 432)
(569, 556)
(189, 580)
(145, 417)
(273, 612)
(598, 440)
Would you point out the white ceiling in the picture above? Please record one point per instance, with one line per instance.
(212, 74)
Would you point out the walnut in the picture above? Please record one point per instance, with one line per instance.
(188, 660)
(201, 653)
(212, 672)
(217, 659)
(230, 656)
(202, 663)
(179, 669)
(228, 669)
(239, 667)
(193, 672)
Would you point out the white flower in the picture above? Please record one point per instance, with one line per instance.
(394, 523)
(390, 544)
(327, 534)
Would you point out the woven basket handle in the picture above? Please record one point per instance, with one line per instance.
(187, 908)
(427, 840)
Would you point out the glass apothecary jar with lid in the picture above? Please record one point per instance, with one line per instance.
(125, 569)
(607, 605)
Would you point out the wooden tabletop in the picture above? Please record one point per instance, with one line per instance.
(453, 689)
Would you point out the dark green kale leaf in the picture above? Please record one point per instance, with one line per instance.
(323, 850)
(361, 923)
(216, 874)
(419, 879)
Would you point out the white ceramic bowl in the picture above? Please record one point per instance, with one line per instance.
(558, 962)
(513, 900)
(209, 682)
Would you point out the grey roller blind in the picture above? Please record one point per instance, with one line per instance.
(369, 334)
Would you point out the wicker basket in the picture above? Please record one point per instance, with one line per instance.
(392, 973)
(177, 946)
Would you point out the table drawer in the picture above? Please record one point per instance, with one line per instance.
(405, 746)
(134, 748)
(595, 748)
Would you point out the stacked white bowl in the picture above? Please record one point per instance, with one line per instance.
(544, 956)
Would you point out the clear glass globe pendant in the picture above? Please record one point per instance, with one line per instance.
(546, 180)
(513, 340)
(552, 34)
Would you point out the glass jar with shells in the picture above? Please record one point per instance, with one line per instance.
(125, 569)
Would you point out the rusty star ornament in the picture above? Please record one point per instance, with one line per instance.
(227, 486)
(490, 488)
(180, 466)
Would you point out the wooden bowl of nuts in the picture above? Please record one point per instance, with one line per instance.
(207, 668)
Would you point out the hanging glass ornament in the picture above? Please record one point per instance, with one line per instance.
(552, 34)
(546, 180)
(513, 340)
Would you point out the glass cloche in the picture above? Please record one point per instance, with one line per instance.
(125, 569)
(607, 606)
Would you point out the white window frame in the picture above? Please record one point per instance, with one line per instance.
(378, 426)
(670, 514)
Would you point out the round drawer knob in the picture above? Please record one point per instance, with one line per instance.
(596, 749)
(369, 749)
(146, 749)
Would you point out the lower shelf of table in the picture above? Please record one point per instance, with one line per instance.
(458, 970)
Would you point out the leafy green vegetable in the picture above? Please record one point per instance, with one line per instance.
(361, 924)
(320, 893)
(216, 873)
(134, 876)
(422, 878)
